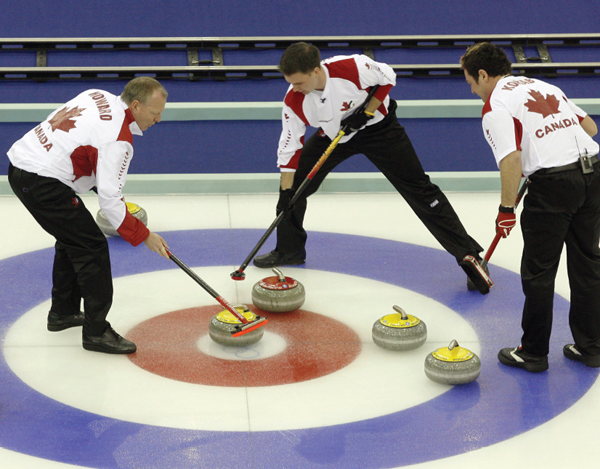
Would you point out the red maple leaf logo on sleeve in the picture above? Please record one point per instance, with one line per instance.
(346, 106)
(545, 106)
(62, 120)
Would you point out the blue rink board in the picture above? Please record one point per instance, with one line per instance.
(441, 146)
(251, 147)
(155, 18)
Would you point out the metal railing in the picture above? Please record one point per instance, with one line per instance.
(215, 68)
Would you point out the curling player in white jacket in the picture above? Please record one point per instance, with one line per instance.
(86, 144)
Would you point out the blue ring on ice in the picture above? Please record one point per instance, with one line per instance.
(501, 404)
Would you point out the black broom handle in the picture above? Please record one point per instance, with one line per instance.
(207, 287)
(305, 183)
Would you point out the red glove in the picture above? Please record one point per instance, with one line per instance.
(505, 221)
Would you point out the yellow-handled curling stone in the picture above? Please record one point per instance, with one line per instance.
(134, 209)
(452, 365)
(399, 331)
(224, 323)
(279, 294)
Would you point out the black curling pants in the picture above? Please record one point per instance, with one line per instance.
(81, 261)
(561, 209)
(388, 147)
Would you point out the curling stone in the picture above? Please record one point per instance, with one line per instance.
(399, 331)
(135, 210)
(452, 365)
(278, 294)
(223, 324)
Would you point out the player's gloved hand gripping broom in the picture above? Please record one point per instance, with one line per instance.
(239, 274)
(492, 247)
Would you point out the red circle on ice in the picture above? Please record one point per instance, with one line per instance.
(316, 346)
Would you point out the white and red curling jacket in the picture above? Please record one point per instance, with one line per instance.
(348, 81)
(536, 118)
(87, 142)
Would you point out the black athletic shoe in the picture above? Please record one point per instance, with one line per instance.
(572, 353)
(275, 259)
(477, 274)
(109, 342)
(58, 323)
(517, 358)
(470, 285)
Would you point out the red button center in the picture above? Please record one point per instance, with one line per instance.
(316, 346)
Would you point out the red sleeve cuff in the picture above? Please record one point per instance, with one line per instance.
(382, 92)
(133, 230)
(293, 164)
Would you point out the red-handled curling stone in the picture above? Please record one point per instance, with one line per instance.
(223, 324)
(278, 294)
(399, 331)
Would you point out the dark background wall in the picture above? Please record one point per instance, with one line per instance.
(249, 146)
